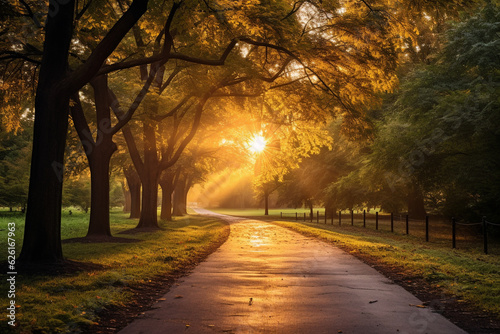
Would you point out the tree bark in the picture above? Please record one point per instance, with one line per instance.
(126, 196)
(329, 211)
(99, 158)
(134, 186)
(179, 205)
(416, 208)
(99, 225)
(42, 234)
(149, 180)
(266, 202)
(188, 186)
(167, 189)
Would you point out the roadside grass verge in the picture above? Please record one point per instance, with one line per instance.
(69, 302)
(468, 236)
(469, 276)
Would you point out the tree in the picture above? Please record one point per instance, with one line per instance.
(76, 192)
(134, 188)
(315, 180)
(345, 49)
(14, 165)
(54, 88)
(439, 138)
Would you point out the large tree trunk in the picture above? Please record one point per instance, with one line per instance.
(167, 189)
(188, 186)
(126, 196)
(42, 234)
(149, 180)
(134, 186)
(99, 225)
(416, 208)
(266, 202)
(329, 211)
(179, 205)
(99, 157)
(149, 210)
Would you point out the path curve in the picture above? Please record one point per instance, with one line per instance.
(268, 279)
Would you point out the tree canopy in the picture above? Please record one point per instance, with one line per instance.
(317, 80)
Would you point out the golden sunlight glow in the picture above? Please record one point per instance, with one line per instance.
(257, 144)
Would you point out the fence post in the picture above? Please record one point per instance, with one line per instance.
(453, 232)
(325, 216)
(364, 218)
(427, 228)
(312, 216)
(485, 235)
(392, 222)
(352, 217)
(340, 218)
(376, 220)
(407, 225)
(296, 216)
(317, 217)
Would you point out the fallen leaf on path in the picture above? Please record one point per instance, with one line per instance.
(373, 301)
(178, 296)
(420, 306)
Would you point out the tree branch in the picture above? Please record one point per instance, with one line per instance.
(84, 9)
(127, 134)
(30, 13)
(107, 45)
(160, 56)
(236, 95)
(164, 164)
(18, 55)
(169, 39)
(288, 83)
(81, 125)
(296, 7)
(133, 107)
(368, 5)
(173, 110)
(171, 77)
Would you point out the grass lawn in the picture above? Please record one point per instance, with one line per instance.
(69, 302)
(467, 273)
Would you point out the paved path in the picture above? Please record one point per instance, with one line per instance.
(267, 279)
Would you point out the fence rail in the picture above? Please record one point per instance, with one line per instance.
(439, 229)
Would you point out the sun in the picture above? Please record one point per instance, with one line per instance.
(257, 144)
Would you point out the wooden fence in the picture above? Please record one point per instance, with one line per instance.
(438, 229)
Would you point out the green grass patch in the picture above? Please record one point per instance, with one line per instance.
(469, 275)
(66, 303)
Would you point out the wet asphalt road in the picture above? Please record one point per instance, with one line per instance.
(268, 279)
